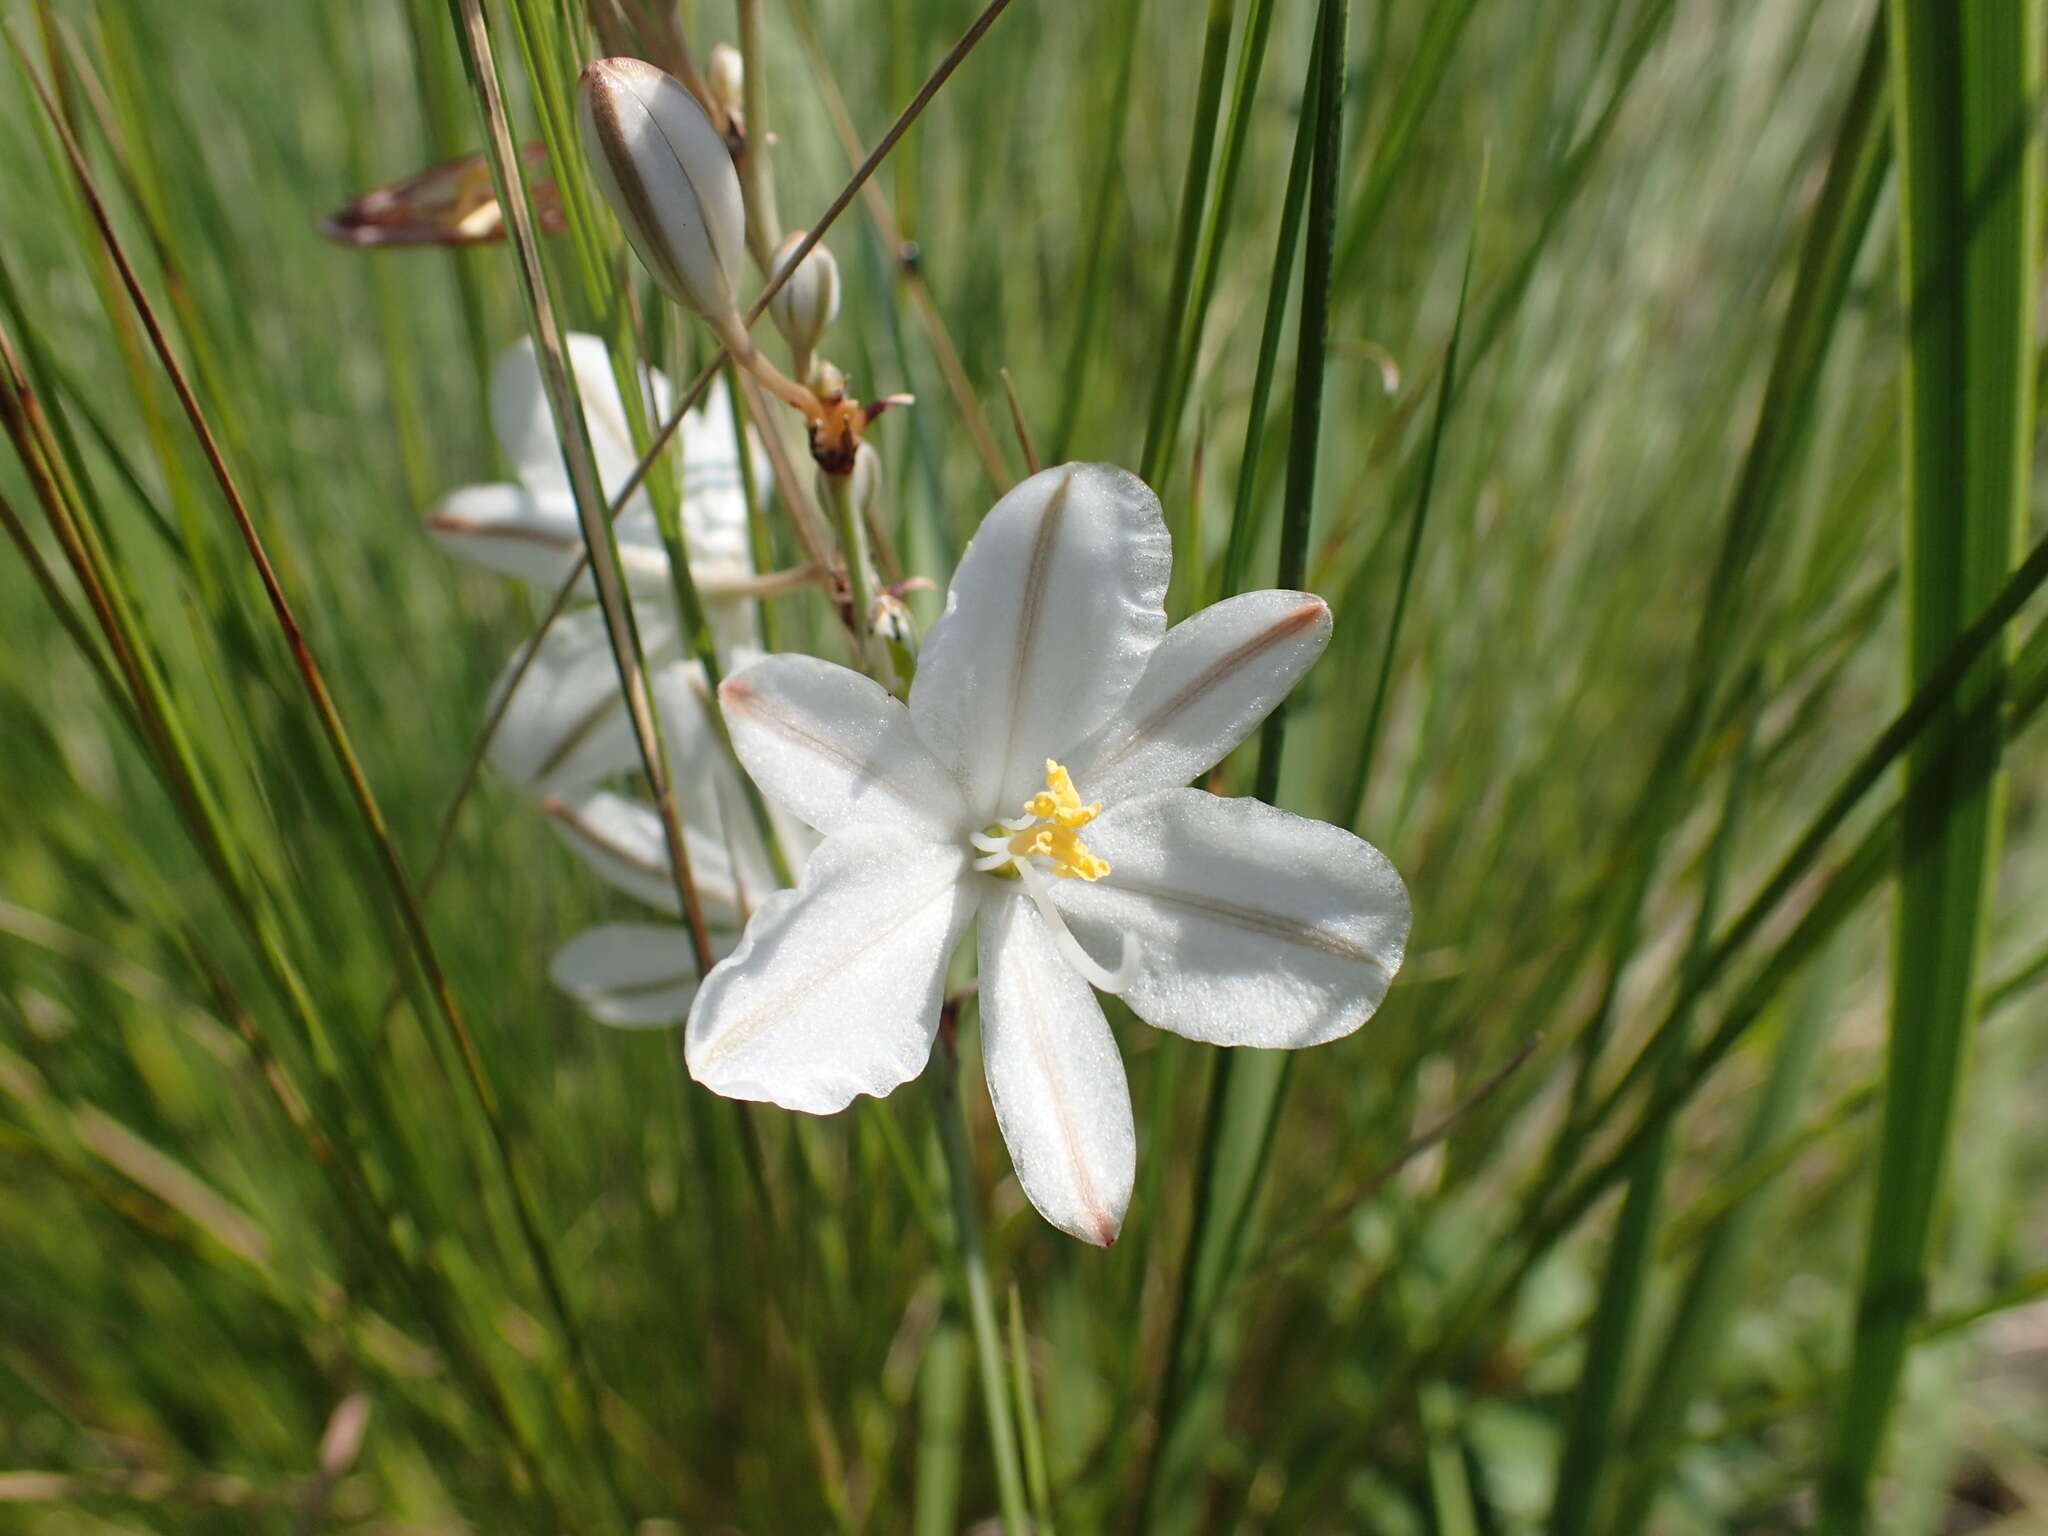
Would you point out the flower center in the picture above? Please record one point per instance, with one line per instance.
(1049, 829)
(1043, 844)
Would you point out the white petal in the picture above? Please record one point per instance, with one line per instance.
(567, 724)
(714, 502)
(835, 989)
(1051, 616)
(538, 539)
(706, 781)
(1055, 1076)
(1254, 926)
(567, 730)
(836, 749)
(1213, 678)
(632, 975)
(621, 839)
(525, 423)
(711, 797)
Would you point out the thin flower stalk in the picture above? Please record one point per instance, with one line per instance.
(981, 1307)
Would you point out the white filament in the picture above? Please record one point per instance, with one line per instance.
(995, 851)
(1039, 884)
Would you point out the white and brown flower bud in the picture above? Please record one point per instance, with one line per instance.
(664, 168)
(808, 302)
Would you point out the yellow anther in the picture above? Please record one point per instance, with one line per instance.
(1059, 815)
(1058, 802)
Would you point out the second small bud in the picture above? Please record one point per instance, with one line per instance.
(725, 74)
(807, 303)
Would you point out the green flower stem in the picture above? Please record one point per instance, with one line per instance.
(853, 548)
(981, 1307)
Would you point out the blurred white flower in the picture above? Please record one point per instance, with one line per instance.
(567, 741)
(530, 529)
(1050, 677)
(565, 738)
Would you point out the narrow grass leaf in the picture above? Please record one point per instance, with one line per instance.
(1967, 83)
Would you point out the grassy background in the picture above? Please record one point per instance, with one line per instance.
(1658, 617)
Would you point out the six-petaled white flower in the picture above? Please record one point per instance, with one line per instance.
(1036, 781)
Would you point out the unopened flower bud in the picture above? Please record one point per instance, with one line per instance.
(663, 166)
(828, 381)
(809, 302)
(867, 479)
(894, 625)
(726, 73)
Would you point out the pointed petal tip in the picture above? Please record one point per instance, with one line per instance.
(1096, 1226)
(1312, 609)
(1306, 611)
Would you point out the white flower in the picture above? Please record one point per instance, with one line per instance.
(566, 741)
(1035, 781)
(565, 738)
(530, 529)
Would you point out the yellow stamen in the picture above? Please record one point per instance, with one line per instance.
(1054, 835)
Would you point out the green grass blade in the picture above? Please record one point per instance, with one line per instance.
(1849, 883)
(1194, 194)
(1966, 80)
(1709, 1302)
(1593, 1432)
(1827, 260)
(1248, 1086)
(1095, 267)
(980, 1294)
(1420, 80)
(1450, 1488)
(1352, 805)
(1245, 521)
(1258, 28)
(1030, 1432)
(941, 1428)
(1922, 721)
